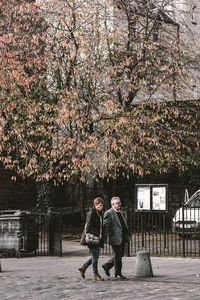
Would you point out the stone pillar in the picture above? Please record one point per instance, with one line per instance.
(143, 266)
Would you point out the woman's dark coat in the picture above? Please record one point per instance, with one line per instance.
(93, 224)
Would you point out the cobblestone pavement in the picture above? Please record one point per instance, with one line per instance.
(52, 278)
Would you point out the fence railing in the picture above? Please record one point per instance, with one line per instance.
(163, 234)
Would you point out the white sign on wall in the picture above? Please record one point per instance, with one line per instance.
(151, 197)
(143, 198)
(159, 198)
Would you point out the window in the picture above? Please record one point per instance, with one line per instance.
(195, 202)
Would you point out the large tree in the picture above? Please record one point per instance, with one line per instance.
(85, 89)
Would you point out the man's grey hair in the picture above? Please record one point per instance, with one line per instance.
(113, 199)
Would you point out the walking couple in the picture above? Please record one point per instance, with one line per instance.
(111, 228)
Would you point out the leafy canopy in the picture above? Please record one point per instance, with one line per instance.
(85, 88)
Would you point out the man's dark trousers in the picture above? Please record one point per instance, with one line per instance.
(116, 260)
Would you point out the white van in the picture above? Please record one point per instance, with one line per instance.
(186, 221)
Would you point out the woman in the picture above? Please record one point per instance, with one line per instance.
(94, 225)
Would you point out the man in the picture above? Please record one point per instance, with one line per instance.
(116, 233)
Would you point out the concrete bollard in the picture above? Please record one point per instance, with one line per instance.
(143, 266)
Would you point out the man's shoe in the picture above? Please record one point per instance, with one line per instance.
(120, 276)
(82, 272)
(106, 271)
(98, 278)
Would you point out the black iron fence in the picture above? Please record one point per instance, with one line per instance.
(175, 232)
(164, 234)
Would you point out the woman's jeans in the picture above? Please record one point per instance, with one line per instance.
(93, 260)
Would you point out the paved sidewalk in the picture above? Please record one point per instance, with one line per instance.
(57, 278)
(52, 278)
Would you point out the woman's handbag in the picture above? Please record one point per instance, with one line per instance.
(91, 239)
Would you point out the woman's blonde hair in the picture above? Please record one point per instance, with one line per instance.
(98, 200)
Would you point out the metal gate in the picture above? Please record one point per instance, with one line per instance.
(43, 233)
(163, 234)
(49, 232)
